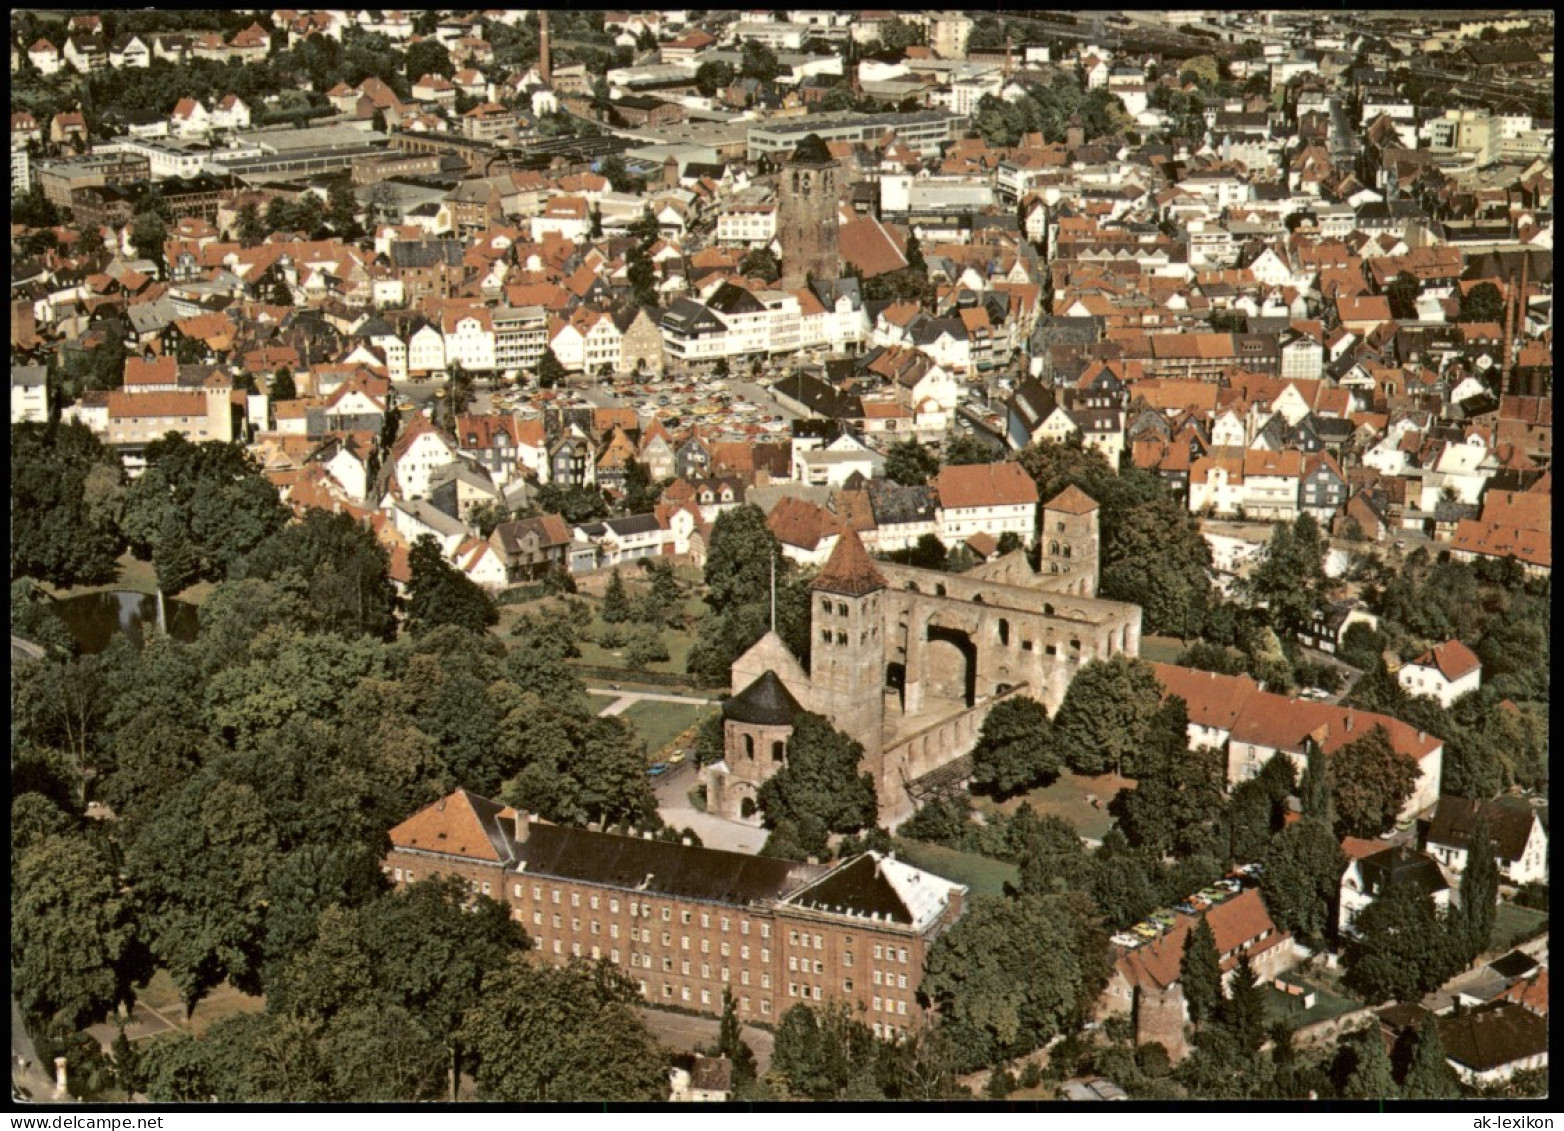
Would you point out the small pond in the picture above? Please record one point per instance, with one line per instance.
(93, 619)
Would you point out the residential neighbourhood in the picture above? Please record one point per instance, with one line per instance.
(780, 556)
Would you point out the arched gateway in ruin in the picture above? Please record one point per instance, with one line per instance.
(909, 661)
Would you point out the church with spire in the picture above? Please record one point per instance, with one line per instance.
(908, 662)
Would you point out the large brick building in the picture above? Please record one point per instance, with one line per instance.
(688, 923)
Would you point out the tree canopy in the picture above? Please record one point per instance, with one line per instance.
(67, 489)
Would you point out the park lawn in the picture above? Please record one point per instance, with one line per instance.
(136, 576)
(679, 641)
(220, 1002)
(1515, 924)
(982, 875)
(1067, 797)
(661, 724)
(1280, 1008)
(1161, 649)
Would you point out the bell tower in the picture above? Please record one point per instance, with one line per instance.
(1069, 541)
(847, 652)
(806, 214)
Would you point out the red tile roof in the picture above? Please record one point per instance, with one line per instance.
(1072, 500)
(849, 571)
(1452, 658)
(451, 826)
(1241, 920)
(985, 485)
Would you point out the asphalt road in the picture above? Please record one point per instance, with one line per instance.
(34, 1083)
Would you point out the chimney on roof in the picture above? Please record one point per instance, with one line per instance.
(1348, 723)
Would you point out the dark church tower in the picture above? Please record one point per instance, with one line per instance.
(806, 215)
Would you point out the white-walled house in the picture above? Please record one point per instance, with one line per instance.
(417, 454)
(985, 498)
(1445, 672)
(1520, 842)
(1367, 877)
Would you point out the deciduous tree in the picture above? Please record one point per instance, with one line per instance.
(1370, 782)
(540, 1034)
(1015, 748)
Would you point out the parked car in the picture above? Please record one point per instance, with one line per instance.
(657, 769)
(1126, 940)
(1146, 930)
(1229, 885)
(676, 757)
(1186, 908)
(1165, 917)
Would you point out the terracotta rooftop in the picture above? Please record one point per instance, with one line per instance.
(986, 485)
(1072, 500)
(849, 571)
(1452, 658)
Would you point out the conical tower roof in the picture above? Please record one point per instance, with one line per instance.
(766, 702)
(849, 571)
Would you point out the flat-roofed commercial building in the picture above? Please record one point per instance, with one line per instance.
(924, 131)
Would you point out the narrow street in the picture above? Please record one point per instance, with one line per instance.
(623, 700)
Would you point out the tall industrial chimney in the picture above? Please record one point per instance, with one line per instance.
(1507, 329)
(543, 59)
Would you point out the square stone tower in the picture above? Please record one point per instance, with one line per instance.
(806, 214)
(1069, 541)
(847, 652)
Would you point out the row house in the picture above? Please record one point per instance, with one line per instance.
(1252, 726)
(985, 498)
(1255, 483)
(690, 925)
(532, 548)
(629, 539)
(521, 334)
(469, 339)
(747, 225)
